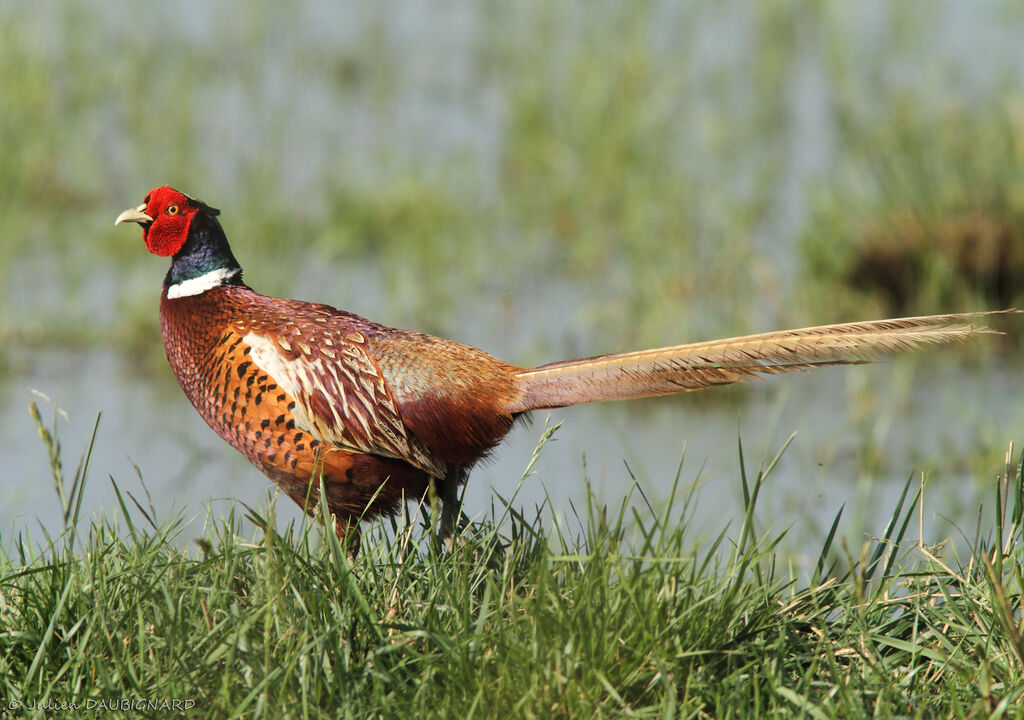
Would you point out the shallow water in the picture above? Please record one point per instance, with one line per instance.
(303, 97)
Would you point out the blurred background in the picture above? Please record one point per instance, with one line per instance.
(543, 181)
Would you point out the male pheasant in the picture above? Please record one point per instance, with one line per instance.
(302, 389)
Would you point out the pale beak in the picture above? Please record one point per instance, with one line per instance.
(134, 215)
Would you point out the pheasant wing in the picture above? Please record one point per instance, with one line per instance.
(340, 396)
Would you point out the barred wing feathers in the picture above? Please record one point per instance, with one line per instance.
(341, 397)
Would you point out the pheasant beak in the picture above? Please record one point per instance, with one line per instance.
(134, 215)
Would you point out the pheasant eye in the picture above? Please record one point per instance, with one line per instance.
(172, 209)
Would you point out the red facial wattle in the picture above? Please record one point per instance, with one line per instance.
(165, 217)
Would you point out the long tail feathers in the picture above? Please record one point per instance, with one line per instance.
(682, 368)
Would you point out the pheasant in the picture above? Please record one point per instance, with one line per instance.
(305, 391)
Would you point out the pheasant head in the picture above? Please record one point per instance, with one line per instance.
(185, 229)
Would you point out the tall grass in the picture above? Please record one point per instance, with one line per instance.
(609, 614)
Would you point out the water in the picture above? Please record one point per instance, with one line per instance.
(363, 95)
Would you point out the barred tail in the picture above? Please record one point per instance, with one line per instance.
(664, 371)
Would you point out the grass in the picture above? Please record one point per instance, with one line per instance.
(606, 615)
(924, 206)
(903, 232)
